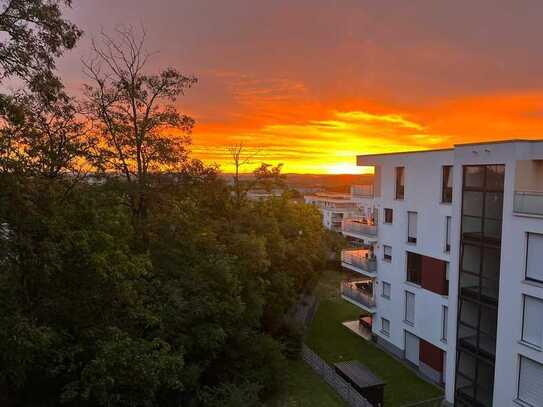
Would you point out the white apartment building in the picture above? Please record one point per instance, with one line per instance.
(450, 257)
(334, 207)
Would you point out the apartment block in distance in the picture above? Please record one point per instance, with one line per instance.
(335, 207)
(450, 259)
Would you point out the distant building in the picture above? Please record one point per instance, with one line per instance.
(449, 252)
(335, 207)
(262, 195)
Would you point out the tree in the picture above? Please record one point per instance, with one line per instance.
(269, 177)
(241, 157)
(45, 140)
(141, 131)
(34, 33)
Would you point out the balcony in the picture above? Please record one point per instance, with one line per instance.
(528, 202)
(362, 191)
(529, 188)
(359, 260)
(360, 228)
(359, 293)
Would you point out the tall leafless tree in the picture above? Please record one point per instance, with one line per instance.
(240, 156)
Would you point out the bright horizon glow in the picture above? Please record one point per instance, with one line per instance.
(314, 83)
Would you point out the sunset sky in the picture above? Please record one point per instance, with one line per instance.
(312, 83)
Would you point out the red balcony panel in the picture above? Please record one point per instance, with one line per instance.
(431, 355)
(433, 275)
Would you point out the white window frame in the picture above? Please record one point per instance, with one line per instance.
(411, 226)
(523, 338)
(389, 260)
(538, 279)
(444, 322)
(383, 330)
(523, 358)
(448, 226)
(406, 320)
(385, 284)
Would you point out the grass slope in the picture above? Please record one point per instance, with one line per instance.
(306, 389)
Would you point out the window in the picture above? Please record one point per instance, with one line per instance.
(400, 182)
(444, 324)
(534, 257)
(412, 227)
(532, 321)
(410, 308)
(388, 215)
(385, 326)
(387, 253)
(447, 233)
(386, 290)
(530, 382)
(446, 185)
(414, 268)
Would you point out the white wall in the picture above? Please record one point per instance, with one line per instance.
(423, 194)
(423, 173)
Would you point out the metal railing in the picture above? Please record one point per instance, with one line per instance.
(358, 259)
(361, 297)
(358, 227)
(528, 202)
(364, 191)
(339, 384)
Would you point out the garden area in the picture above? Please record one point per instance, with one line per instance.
(335, 343)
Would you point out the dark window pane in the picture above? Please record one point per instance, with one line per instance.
(400, 182)
(466, 365)
(489, 290)
(446, 191)
(473, 203)
(472, 228)
(491, 263)
(469, 285)
(474, 176)
(388, 215)
(494, 205)
(493, 230)
(471, 259)
(495, 177)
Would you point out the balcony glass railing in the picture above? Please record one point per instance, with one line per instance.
(360, 259)
(529, 202)
(359, 227)
(364, 191)
(350, 290)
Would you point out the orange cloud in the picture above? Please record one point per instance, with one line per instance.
(286, 122)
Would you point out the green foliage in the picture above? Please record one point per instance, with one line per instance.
(128, 371)
(34, 33)
(198, 318)
(157, 287)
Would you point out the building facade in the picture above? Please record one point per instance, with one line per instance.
(335, 207)
(450, 257)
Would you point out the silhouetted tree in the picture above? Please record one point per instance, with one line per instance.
(241, 156)
(141, 131)
(33, 34)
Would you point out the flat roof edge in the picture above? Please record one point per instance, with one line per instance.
(478, 143)
(405, 152)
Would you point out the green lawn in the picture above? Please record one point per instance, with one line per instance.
(334, 343)
(306, 389)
